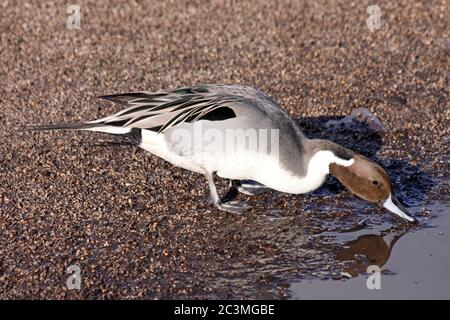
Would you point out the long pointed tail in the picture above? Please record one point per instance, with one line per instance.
(99, 127)
(62, 126)
(127, 136)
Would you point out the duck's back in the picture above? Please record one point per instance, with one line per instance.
(220, 108)
(255, 110)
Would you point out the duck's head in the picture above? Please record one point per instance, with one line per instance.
(369, 181)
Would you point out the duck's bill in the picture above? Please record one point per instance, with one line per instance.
(394, 206)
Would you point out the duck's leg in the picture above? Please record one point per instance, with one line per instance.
(249, 187)
(231, 206)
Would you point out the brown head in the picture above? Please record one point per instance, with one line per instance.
(369, 181)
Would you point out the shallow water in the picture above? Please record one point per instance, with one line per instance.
(415, 263)
(346, 234)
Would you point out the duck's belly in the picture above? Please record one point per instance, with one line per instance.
(267, 171)
(262, 167)
(156, 144)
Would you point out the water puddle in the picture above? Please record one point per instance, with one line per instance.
(320, 245)
(414, 262)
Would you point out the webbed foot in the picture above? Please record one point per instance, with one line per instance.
(235, 206)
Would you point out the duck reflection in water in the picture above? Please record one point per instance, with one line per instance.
(367, 250)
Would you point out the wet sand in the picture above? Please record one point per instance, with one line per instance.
(138, 227)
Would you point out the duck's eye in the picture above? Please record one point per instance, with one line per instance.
(375, 182)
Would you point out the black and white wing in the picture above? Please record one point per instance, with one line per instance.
(162, 110)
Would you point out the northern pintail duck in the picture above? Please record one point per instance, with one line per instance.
(242, 134)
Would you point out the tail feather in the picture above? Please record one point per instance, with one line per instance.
(63, 126)
(99, 127)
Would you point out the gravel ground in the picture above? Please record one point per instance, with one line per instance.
(140, 228)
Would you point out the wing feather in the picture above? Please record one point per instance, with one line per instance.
(163, 110)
